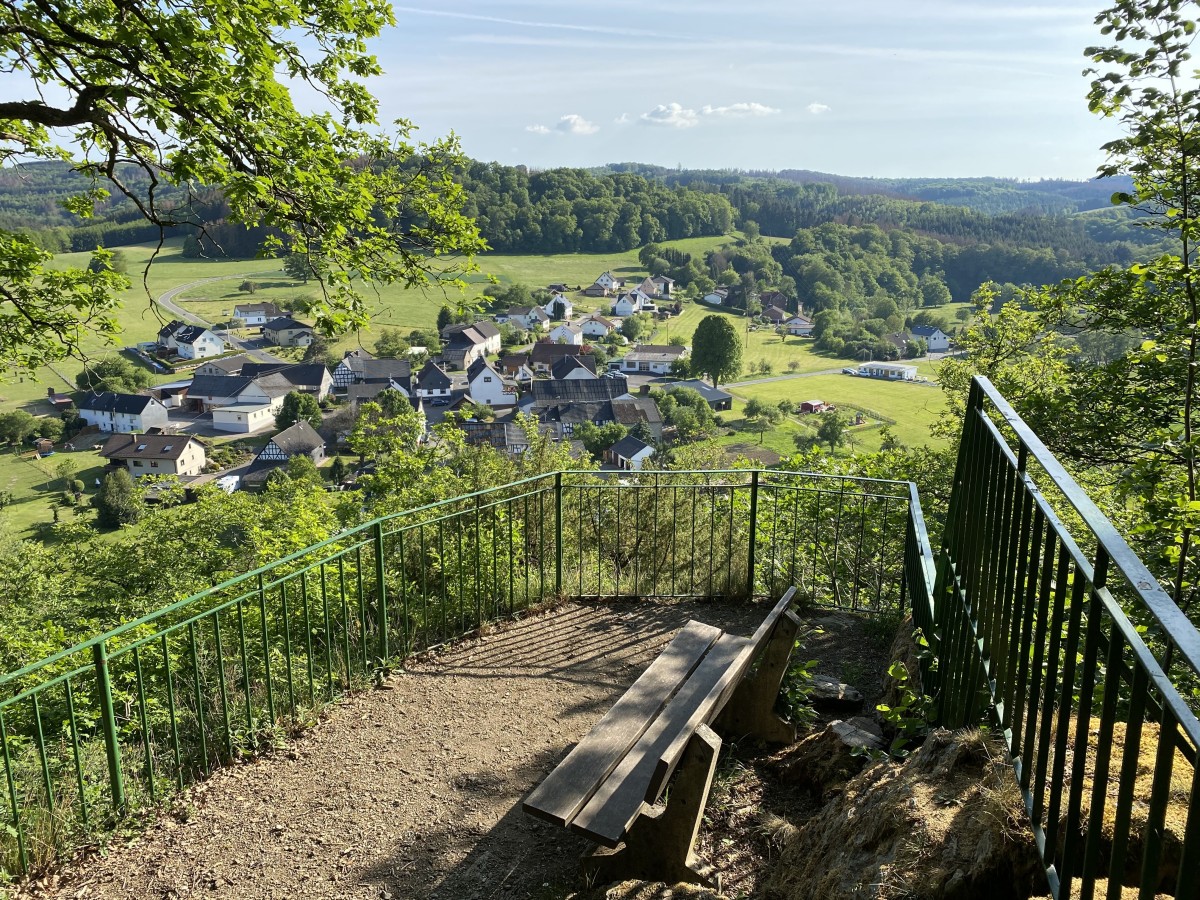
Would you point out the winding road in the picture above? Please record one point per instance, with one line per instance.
(167, 301)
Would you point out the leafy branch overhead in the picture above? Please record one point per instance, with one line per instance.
(196, 95)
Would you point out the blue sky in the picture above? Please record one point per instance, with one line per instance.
(858, 87)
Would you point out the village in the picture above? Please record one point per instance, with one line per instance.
(575, 374)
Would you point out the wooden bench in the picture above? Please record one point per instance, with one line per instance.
(606, 788)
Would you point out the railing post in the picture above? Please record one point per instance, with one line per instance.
(109, 719)
(381, 588)
(750, 555)
(558, 535)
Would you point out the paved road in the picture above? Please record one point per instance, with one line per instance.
(738, 384)
(167, 301)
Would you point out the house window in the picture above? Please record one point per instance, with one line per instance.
(137, 463)
(487, 379)
(154, 464)
(643, 367)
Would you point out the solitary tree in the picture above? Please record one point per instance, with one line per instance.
(717, 349)
(299, 407)
(118, 501)
(832, 430)
(198, 93)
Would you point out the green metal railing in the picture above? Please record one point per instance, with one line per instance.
(1067, 642)
(128, 717)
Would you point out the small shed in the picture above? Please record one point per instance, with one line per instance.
(813, 406)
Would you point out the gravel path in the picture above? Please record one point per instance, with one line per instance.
(414, 790)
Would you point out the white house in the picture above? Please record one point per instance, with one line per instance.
(610, 282)
(245, 418)
(487, 387)
(190, 341)
(257, 313)
(559, 307)
(530, 318)
(632, 302)
(567, 334)
(717, 296)
(628, 453)
(156, 454)
(935, 339)
(799, 326)
(288, 332)
(433, 382)
(665, 285)
(571, 367)
(656, 359)
(597, 326)
(890, 371)
(123, 412)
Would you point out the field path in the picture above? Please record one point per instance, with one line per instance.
(167, 301)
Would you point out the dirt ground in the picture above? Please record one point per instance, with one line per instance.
(413, 790)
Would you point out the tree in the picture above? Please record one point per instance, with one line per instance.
(637, 326)
(114, 261)
(119, 501)
(16, 426)
(445, 317)
(298, 407)
(391, 344)
(51, 429)
(598, 438)
(194, 93)
(832, 430)
(248, 286)
(717, 349)
(761, 417)
(337, 470)
(113, 373)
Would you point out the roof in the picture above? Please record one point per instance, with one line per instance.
(170, 328)
(578, 390)
(596, 317)
(264, 307)
(218, 385)
(433, 378)
(631, 411)
(298, 374)
(662, 279)
(521, 310)
(478, 365)
(573, 329)
(147, 446)
(628, 447)
(720, 292)
(548, 353)
(107, 401)
(361, 393)
(707, 391)
(300, 438)
(926, 331)
(656, 353)
(189, 334)
(477, 333)
(514, 360)
(568, 364)
(803, 320)
(368, 368)
(287, 323)
(774, 312)
(647, 286)
(231, 365)
(575, 411)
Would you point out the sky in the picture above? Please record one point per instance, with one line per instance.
(858, 87)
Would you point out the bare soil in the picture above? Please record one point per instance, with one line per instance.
(413, 790)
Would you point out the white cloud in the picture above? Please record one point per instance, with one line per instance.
(623, 119)
(672, 114)
(817, 108)
(573, 123)
(537, 129)
(740, 109)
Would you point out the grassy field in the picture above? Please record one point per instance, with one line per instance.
(35, 489)
(913, 406)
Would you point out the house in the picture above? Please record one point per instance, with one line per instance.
(774, 298)
(640, 410)
(530, 318)
(716, 398)
(813, 406)
(487, 387)
(545, 354)
(799, 326)
(59, 401)
(574, 367)
(226, 365)
(558, 288)
(156, 454)
(935, 339)
(500, 433)
(655, 359)
(288, 332)
(516, 365)
(559, 307)
(610, 282)
(298, 440)
(190, 341)
(775, 315)
(576, 390)
(360, 367)
(717, 297)
(567, 334)
(171, 395)
(890, 371)
(208, 392)
(123, 412)
(628, 453)
(595, 290)
(647, 288)
(433, 382)
(308, 378)
(664, 286)
(633, 302)
(596, 326)
(257, 313)
(463, 344)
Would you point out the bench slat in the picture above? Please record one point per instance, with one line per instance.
(573, 782)
(618, 800)
(712, 705)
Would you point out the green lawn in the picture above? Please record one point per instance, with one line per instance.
(32, 483)
(913, 406)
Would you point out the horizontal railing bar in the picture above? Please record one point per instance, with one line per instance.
(47, 685)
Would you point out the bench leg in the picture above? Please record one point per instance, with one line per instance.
(751, 709)
(658, 846)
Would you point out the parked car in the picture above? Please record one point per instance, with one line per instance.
(849, 371)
